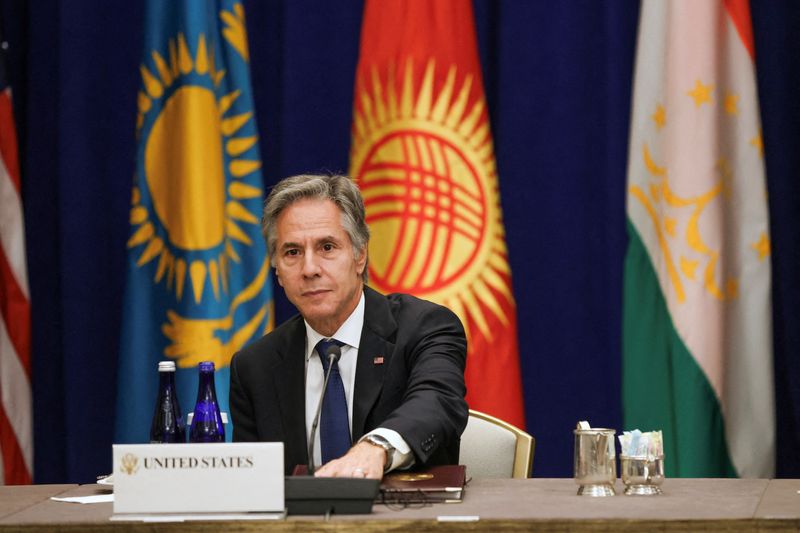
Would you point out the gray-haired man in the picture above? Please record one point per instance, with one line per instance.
(401, 371)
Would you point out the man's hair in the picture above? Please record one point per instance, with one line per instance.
(337, 188)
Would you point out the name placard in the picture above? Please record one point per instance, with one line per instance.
(198, 478)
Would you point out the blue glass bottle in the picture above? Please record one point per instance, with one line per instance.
(207, 420)
(167, 423)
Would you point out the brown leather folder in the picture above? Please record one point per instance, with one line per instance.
(426, 485)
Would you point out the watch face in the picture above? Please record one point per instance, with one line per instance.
(380, 441)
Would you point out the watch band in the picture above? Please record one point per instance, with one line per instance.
(377, 440)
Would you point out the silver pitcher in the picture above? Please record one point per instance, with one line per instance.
(595, 461)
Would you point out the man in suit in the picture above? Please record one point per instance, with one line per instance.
(399, 385)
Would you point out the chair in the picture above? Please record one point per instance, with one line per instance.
(492, 448)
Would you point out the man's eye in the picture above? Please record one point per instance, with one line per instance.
(327, 247)
(292, 252)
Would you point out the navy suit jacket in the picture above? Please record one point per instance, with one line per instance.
(409, 378)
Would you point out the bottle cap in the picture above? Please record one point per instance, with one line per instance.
(166, 366)
(207, 366)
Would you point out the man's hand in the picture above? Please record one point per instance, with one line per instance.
(362, 460)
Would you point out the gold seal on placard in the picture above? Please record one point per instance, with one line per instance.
(413, 477)
(129, 464)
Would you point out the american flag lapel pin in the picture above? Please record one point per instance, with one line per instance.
(377, 360)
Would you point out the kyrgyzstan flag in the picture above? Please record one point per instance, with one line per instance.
(423, 156)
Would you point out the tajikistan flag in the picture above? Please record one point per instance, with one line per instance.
(697, 318)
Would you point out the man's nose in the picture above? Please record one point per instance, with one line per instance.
(310, 265)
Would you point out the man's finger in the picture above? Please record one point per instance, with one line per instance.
(352, 465)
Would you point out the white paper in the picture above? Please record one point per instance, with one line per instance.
(199, 516)
(458, 518)
(97, 498)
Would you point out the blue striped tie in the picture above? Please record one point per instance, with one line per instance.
(334, 428)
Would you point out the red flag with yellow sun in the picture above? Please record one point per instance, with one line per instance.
(423, 156)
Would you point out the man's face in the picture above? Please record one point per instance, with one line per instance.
(316, 265)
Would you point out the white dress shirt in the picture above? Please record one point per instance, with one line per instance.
(350, 334)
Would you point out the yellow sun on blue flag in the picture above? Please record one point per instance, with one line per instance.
(198, 284)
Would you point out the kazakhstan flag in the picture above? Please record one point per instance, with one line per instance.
(198, 284)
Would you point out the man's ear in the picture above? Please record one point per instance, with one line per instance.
(361, 261)
(278, 277)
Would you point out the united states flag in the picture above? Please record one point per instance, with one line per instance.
(16, 432)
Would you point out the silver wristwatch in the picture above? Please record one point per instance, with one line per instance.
(377, 440)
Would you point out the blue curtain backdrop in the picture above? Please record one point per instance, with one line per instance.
(558, 79)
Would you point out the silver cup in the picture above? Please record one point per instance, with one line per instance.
(642, 475)
(595, 461)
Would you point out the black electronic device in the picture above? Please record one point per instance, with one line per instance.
(329, 495)
(306, 494)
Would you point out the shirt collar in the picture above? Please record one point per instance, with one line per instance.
(349, 333)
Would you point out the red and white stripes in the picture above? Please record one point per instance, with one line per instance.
(16, 413)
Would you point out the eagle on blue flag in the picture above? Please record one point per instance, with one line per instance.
(198, 282)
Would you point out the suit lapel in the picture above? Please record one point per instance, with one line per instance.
(374, 356)
(289, 381)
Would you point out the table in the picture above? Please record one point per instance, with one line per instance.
(502, 505)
